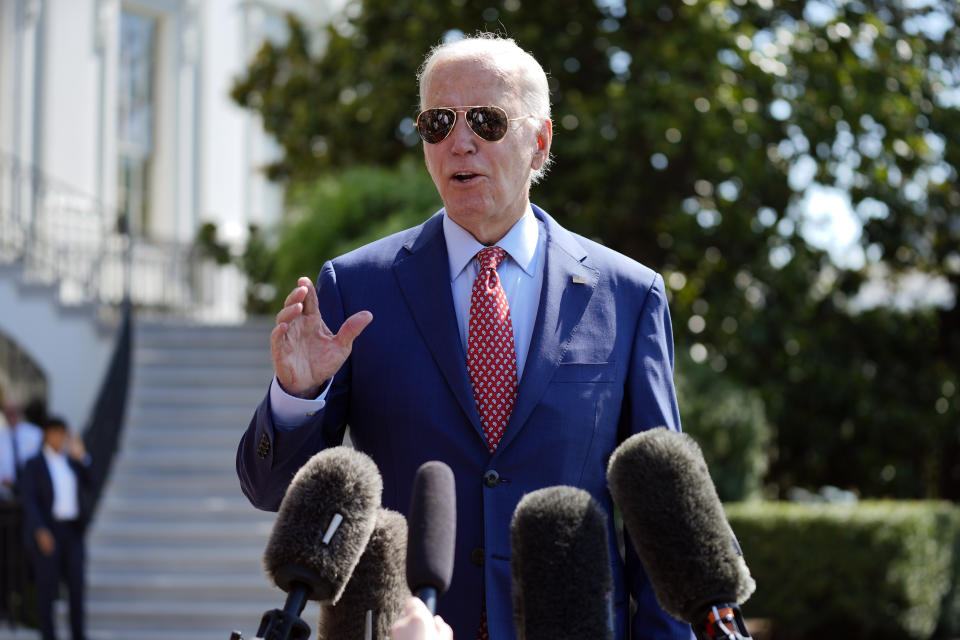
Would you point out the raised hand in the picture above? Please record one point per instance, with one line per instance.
(306, 354)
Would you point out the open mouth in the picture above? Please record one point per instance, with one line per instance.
(463, 177)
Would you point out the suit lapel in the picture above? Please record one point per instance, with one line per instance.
(568, 285)
(423, 275)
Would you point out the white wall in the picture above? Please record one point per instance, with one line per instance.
(69, 113)
(71, 349)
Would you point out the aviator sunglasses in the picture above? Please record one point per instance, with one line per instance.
(490, 123)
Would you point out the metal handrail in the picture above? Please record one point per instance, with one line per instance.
(69, 240)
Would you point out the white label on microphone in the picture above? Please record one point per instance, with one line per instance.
(332, 529)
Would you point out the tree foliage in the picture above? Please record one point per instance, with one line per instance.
(687, 135)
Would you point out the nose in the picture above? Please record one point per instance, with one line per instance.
(462, 139)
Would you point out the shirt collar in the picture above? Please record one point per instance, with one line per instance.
(520, 243)
(52, 455)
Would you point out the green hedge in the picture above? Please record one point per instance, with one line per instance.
(879, 569)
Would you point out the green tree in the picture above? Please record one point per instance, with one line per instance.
(686, 135)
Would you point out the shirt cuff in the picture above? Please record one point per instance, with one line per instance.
(290, 412)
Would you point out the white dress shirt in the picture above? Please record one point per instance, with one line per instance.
(27, 438)
(521, 275)
(66, 505)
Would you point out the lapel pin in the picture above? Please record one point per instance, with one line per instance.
(579, 280)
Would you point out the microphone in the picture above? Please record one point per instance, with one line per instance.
(661, 484)
(562, 586)
(373, 598)
(325, 520)
(432, 532)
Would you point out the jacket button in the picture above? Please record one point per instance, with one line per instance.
(264, 447)
(491, 478)
(476, 557)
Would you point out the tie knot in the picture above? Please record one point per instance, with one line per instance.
(490, 258)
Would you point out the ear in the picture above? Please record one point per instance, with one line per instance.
(544, 139)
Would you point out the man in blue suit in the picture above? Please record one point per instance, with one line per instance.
(385, 343)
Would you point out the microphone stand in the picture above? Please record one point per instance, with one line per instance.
(284, 624)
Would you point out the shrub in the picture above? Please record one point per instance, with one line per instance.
(337, 213)
(872, 570)
(729, 423)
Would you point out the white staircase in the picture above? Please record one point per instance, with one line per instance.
(175, 551)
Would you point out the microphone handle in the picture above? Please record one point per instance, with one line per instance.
(722, 622)
(429, 597)
(286, 624)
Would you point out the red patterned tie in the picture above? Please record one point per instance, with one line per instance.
(491, 359)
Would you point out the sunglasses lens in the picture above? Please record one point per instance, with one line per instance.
(490, 123)
(434, 125)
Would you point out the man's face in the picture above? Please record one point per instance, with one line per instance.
(56, 438)
(484, 185)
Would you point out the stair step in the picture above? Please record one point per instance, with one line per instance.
(148, 398)
(160, 416)
(131, 486)
(186, 376)
(239, 356)
(207, 618)
(187, 556)
(172, 532)
(175, 335)
(215, 439)
(118, 587)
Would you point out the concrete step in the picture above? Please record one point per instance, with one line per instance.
(210, 618)
(166, 587)
(198, 396)
(186, 376)
(239, 356)
(190, 464)
(235, 512)
(256, 332)
(215, 439)
(173, 532)
(139, 417)
(131, 484)
(194, 556)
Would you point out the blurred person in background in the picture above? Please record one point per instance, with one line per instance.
(52, 485)
(25, 426)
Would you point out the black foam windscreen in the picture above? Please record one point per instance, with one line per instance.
(325, 520)
(375, 594)
(562, 586)
(432, 528)
(660, 481)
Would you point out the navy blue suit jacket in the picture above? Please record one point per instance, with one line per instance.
(599, 369)
(36, 492)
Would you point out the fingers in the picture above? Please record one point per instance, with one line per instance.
(302, 300)
(416, 623)
(310, 302)
(352, 327)
(444, 630)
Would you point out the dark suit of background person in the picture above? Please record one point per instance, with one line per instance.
(38, 493)
(599, 368)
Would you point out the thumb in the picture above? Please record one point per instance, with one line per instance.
(352, 327)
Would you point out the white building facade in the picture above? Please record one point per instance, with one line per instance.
(118, 140)
(126, 102)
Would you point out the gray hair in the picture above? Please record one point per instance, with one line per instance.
(505, 56)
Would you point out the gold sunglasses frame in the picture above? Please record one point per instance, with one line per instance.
(463, 110)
